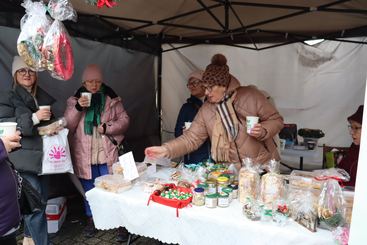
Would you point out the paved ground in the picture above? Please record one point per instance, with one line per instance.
(71, 233)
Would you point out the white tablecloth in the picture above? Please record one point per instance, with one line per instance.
(195, 225)
(312, 159)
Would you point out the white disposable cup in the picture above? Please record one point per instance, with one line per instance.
(282, 144)
(88, 95)
(187, 125)
(7, 128)
(250, 122)
(47, 107)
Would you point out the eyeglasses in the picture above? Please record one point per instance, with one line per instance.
(354, 129)
(90, 82)
(24, 72)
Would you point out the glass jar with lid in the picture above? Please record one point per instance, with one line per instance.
(211, 200)
(212, 186)
(198, 198)
(222, 182)
(223, 200)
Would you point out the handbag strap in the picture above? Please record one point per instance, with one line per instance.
(112, 139)
(19, 178)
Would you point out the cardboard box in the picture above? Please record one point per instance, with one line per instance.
(55, 212)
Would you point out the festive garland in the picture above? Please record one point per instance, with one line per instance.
(101, 3)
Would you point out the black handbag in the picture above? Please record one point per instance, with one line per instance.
(30, 200)
(121, 149)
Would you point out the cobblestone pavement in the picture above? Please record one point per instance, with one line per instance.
(71, 232)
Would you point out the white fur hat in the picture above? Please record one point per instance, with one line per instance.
(18, 63)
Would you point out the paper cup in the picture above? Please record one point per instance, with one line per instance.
(47, 107)
(88, 95)
(250, 122)
(187, 125)
(7, 128)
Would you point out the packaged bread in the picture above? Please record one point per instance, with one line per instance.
(248, 181)
(112, 183)
(117, 168)
(272, 185)
(304, 179)
(303, 208)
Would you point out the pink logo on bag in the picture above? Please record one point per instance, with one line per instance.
(57, 152)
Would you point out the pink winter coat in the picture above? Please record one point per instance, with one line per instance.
(117, 122)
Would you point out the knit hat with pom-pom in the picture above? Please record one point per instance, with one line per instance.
(217, 72)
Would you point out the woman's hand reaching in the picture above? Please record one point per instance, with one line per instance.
(155, 152)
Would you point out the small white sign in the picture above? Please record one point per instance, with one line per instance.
(128, 164)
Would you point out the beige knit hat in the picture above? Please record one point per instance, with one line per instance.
(18, 64)
(217, 73)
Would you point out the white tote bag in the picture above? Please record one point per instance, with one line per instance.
(56, 154)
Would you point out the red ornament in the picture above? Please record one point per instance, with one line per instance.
(108, 3)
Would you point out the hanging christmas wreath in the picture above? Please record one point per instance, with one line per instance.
(101, 3)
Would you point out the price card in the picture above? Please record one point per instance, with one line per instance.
(127, 162)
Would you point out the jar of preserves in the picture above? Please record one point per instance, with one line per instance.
(222, 182)
(212, 187)
(198, 198)
(234, 190)
(211, 200)
(223, 200)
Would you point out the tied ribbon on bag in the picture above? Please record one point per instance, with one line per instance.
(108, 3)
(321, 178)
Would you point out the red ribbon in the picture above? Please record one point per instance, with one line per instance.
(283, 208)
(330, 177)
(108, 3)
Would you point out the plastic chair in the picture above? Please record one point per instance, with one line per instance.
(332, 155)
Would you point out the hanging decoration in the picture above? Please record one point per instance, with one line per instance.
(44, 43)
(101, 3)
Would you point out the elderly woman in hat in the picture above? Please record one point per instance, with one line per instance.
(187, 114)
(350, 162)
(22, 105)
(94, 122)
(222, 118)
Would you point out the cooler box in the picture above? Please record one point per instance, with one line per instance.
(55, 212)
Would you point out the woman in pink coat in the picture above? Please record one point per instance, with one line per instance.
(92, 122)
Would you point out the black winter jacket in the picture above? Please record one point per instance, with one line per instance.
(18, 105)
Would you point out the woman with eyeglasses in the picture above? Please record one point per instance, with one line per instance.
(95, 117)
(222, 118)
(350, 162)
(187, 114)
(22, 105)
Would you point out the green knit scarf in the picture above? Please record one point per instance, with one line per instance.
(94, 111)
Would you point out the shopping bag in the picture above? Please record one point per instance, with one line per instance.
(56, 154)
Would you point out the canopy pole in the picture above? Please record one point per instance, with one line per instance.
(159, 91)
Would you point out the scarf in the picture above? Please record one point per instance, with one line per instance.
(94, 111)
(225, 129)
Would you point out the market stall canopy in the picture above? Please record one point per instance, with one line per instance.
(217, 21)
